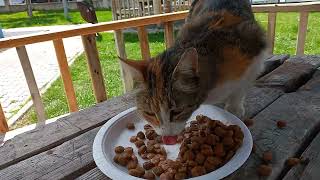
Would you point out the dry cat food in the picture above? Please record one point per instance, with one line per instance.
(281, 124)
(206, 145)
(264, 170)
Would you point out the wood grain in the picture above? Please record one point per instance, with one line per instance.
(291, 74)
(93, 174)
(31, 81)
(60, 162)
(43, 138)
(272, 17)
(94, 66)
(313, 84)
(309, 170)
(144, 43)
(302, 33)
(169, 34)
(272, 63)
(65, 75)
(300, 111)
(3, 122)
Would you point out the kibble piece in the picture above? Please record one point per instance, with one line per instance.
(141, 135)
(151, 134)
(200, 158)
(123, 159)
(207, 151)
(248, 122)
(179, 139)
(220, 131)
(149, 176)
(133, 139)
(116, 158)
(163, 151)
(132, 164)
(264, 170)
(227, 141)
(229, 155)
(148, 165)
(155, 160)
(180, 176)
(198, 171)
(135, 173)
(215, 161)
(293, 161)
(210, 139)
(194, 145)
(130, 126)
(144, 156)
(128, 150)
(157, 170)
(150, 155)
(164, 176)
(229, 133)
(142, 149)
(139, 143)
(150, 149)
(281, 124)
(267, 156)
(159, 139)
(119, 149)
(147, 127)
(188, 155)
(219, 150)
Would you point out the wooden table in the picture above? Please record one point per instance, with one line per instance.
(291, 92)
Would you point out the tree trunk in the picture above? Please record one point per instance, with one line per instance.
(65, 8)
(29, 8)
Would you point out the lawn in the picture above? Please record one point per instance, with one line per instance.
(55, 101)
(47, 18)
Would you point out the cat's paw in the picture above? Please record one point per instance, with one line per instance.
(237, 110)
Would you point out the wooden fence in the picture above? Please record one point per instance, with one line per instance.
(88, 31)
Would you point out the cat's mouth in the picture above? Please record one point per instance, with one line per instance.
(169, 140)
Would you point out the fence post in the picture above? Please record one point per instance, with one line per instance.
(3, 122)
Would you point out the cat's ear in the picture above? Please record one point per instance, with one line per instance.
(186, 73)
(188, 63)
(136, 70)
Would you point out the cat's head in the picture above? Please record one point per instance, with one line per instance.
(168, 89)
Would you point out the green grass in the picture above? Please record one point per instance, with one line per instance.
(47, 18)
(55, 101)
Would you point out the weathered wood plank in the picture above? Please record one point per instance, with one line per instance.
(3, 122)
(300, 111)
(272, 63)
(291, 74)
(168, 34)
(144, 43)
(31, 81)
(93, 61)
(310, 170)
(38, 140)
(259, 98)
(65, 75)
(313, 84)
(64, 161)
(302, 33)
(272, 17)
(93, 174)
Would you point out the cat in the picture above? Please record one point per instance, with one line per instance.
(216, 57)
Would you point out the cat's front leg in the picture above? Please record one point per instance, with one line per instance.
(235, 104)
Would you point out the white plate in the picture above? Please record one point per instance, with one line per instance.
(115, 133)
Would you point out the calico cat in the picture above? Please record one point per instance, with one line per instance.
(217, 55)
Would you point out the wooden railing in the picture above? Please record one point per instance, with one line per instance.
(87, 32)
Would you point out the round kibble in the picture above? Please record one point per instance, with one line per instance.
(248, 122)
(151, 134)
(227, 141)
(150, 155)
(200, 158)
(219, 150)
(267, 156)
(128, 150)
(147, 127)
(180, 176)
(148, 165)
(116, 158)
(130, 126)
(139, 143)
(293, 161)
(132, 164)
(141, 135)
(219, 131)
(281, 124)
(264, 170)
(133, 139)
(144, 156)
(159, 139)
(198, 171)
(134, 172)
(149, 176)
(157, 170)
(119, 149)
(142, 149)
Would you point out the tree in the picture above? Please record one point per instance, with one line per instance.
(65, 8)
(29, 8)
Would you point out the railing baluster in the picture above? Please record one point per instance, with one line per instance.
(33, 88)
(303, 26)
(65, 75)
(148, 4)
(272, 17)
(3, 122)
(90, 46)
(129, 11)
(144, 42)
(168, 33)
(133, 8)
